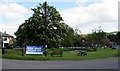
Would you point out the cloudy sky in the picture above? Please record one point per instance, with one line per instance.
(84, 15)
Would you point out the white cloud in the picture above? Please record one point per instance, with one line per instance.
(12, 15)
(13, 10)
(81, 1)
(11, 27)
(85, 1)
(85, 18)
(92, 16)
(8, 29)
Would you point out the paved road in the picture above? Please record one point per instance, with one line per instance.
(108, 63)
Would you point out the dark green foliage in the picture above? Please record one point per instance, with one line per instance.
(98, 38)
(73, 49)
(114, 37)
(32, 31)
(77, 38)
(13, 45)
(77, 41)
(118, 34)
(68, 38)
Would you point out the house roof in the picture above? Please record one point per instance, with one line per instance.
(5, 35)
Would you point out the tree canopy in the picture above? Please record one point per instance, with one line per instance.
(32, 31)
(114, 37)
(98, 38)
(46, 23)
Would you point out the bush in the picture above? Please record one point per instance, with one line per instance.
(13, 45)
(72, 49)
(83, 49)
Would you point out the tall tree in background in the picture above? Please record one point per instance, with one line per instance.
(77, 38)
(118, 34)
(98, 37)
(69, 38)
(114, 37)
(32, 31)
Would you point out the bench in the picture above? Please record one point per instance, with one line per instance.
(57, 53)
(82, 53)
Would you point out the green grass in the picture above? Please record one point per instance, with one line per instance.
(67, 55)
(101, 53)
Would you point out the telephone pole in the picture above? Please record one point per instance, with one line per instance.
(45, 31)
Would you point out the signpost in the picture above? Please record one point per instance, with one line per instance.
(34, 50)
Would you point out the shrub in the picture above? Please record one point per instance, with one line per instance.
(72, 49)
(13, 45)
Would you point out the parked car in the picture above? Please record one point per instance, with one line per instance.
(113, 47)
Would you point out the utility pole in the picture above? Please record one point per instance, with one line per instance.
(45, 31)
(2, 44)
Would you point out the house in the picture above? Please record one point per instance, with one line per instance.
(5, 39)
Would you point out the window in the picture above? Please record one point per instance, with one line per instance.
(5, 39)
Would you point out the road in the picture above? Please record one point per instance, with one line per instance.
(107, 63)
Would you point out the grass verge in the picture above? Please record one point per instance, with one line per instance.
(67, 55)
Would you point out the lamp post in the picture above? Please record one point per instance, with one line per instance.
(43, 9)
(45, 31)
(0, 40)
(2, 45)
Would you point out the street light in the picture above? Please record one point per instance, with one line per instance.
(2, 44)
(45, 13)
(43, 10)
(45, 31)
(1, 39)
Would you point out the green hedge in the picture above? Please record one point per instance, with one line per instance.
(18, 57)
(72, 49)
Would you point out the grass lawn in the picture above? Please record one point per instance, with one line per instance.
(67, 55)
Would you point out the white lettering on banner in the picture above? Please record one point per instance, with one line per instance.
(34, 50)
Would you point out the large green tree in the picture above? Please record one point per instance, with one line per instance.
(68, 38)
(114, 37)
(32, 31)
(98, 37)
(77, 38)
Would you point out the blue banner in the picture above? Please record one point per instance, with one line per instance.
(34, 50)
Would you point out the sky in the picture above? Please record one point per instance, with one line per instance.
(84, 15)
